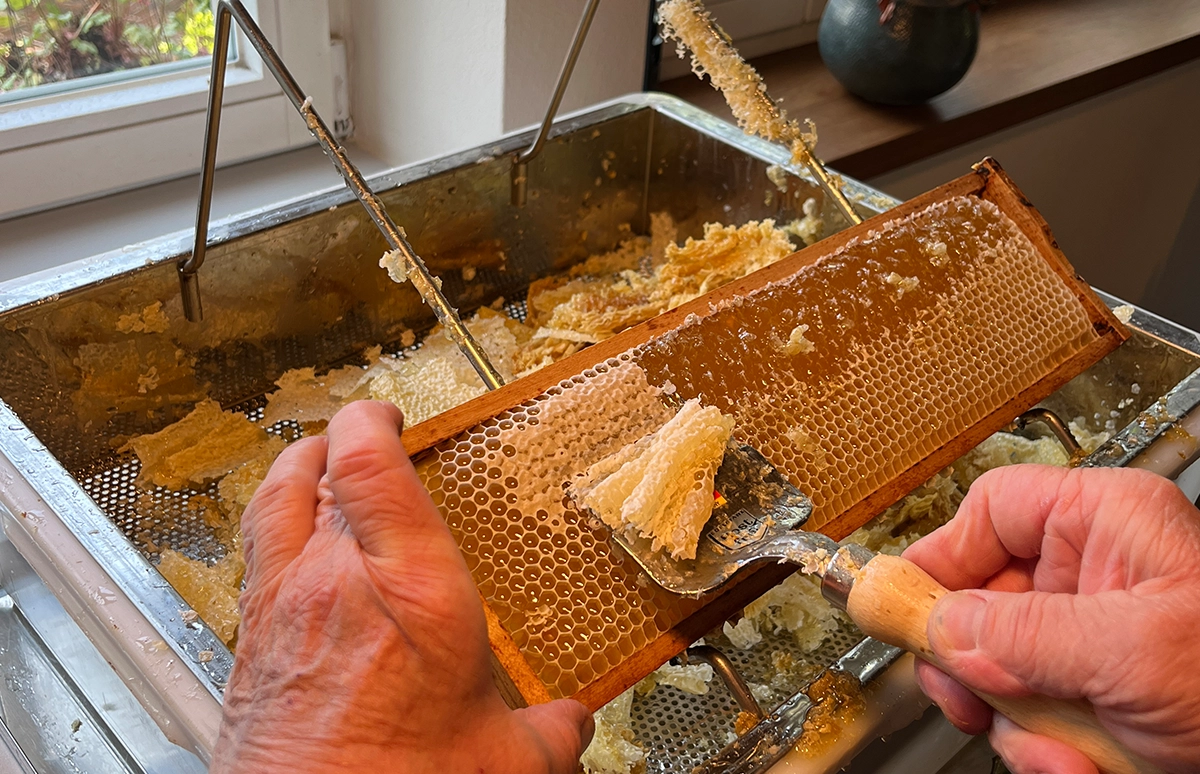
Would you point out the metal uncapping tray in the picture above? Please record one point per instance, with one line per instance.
(298, 286)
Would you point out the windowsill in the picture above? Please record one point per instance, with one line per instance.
(1035, 56)
(47, 239)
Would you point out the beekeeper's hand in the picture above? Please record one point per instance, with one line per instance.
(363, 645)
(1092, 582)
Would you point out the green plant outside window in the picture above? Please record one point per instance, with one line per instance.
(51, 41)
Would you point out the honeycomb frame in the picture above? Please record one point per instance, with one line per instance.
(597, 671)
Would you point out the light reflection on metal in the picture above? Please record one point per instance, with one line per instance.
(1054, 422)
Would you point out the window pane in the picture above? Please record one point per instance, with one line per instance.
(44, 42)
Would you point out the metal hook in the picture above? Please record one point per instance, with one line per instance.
(728, 674)
(189, 265)
(520, 170)
(1056, 425)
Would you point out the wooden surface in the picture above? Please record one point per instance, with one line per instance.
(1035, 56)
(892, 600)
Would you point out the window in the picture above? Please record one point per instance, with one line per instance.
(49, 46)
(66, 140)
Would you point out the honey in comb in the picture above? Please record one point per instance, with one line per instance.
(892, 372)
(571, 602)
(891, 377)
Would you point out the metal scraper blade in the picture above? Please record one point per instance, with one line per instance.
(757, 517)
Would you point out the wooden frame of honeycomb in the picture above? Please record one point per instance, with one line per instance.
(567, 613)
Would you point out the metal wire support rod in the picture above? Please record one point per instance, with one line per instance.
(692, 25)
(520, 170)
(1056, 425)
(830, 186)
(728, 674)
(418, 274)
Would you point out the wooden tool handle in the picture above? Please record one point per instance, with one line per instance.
(891, 601)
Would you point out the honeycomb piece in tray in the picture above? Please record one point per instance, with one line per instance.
(546, 294)
(151, 319)
(595, 310)
(437, 377)
(689, 678)
(662, 485)
(601, 296)
(210, 590)
(312, 400)
(424, 383)
(544, 350)
(198, 449)
(809, 228)
(613, 749)
(642, 278)
(725, 253)
(136, 374)
(236, 488)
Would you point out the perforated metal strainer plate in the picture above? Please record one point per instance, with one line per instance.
(679, 731)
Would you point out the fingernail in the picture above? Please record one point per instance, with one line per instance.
(957, 619)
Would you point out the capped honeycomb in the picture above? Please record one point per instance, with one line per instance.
(891, 372)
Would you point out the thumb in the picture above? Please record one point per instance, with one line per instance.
(1012, 644)
(565, 728)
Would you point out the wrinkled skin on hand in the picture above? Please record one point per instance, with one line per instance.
(363, 645)
(1089, 588)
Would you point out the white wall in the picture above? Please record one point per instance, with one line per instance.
(1117, 177)
(431, 76)
(424, 76)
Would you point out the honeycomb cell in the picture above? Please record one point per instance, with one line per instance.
(584, 672)
(601, 664)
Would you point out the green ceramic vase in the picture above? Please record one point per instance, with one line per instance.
(898, 53)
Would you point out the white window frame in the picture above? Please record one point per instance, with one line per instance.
(80, 144)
